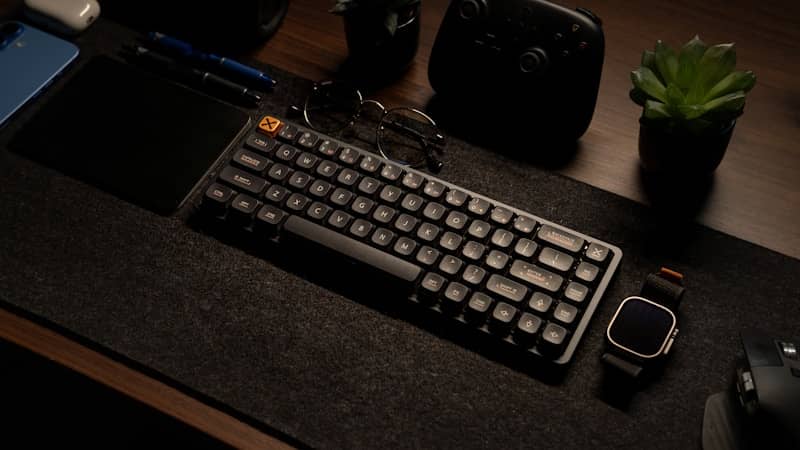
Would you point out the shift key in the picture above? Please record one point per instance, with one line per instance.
(242, 180)
(506, 288)
(560, 238)
(536, 276)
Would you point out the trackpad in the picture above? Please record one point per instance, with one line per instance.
(132, 133)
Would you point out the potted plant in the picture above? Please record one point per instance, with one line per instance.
(691, 100)
(382, 35)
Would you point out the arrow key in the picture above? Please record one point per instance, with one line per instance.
(526, 330)
(554, 339)
(502, 317)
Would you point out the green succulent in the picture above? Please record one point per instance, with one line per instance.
(386, 10)
(694, 90)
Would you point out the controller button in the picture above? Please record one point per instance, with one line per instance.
(533, 60)
(582, 45)
(575, 27)
(592, 16)
(557, 36)
(565, 53)
(469, 9)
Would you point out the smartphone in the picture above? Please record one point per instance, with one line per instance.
(30, 60)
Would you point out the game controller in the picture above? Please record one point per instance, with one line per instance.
(531, 62)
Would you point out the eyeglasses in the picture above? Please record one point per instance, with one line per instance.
(404, 135)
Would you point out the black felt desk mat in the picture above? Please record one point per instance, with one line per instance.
(331, 372)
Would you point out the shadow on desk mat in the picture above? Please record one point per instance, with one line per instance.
(331, 372)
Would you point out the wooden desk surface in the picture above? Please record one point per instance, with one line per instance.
(756, 193)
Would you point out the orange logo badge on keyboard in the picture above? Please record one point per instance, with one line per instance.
(269, 126)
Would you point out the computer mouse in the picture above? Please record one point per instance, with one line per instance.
(63, 16)
(768, 388)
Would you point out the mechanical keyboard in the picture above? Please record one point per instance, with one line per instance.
(517, 284)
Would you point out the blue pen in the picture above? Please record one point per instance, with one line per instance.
(185, 50)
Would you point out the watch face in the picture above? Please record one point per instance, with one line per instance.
(641, 326)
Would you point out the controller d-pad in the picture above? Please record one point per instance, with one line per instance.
(533, 60)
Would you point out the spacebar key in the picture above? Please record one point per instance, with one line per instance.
(384, 262)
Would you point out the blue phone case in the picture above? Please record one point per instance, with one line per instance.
(29, 60)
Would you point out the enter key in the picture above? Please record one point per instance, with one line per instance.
(536, 276)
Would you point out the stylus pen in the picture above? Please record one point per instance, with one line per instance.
(193, 75)
(185, 50)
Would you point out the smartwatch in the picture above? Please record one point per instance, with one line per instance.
(643, 329)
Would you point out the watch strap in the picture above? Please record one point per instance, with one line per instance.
(621, 380)
(624, 367)
(664, 287)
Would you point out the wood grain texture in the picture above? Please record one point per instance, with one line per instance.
(117, 376)
(756, 191)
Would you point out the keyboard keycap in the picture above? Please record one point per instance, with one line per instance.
(478, 207)
(339, 219)
(341, 197)
(456, 220)
(250, 161)
(500, 215)
(306, 161)
(450, 265)
(288, 132)
(286, 153)
(473, 275)
(427, 255)
(382, 237)
(525, 248)
(391, 194)
(362, 206)
(477, 307)
(527, 328)
(433, 189)
(347, 177)
(405, 223)
(565, 314)
(502, 238)
(576, 292)
(554, 339)
(242, 180)
(427, 232)
(318, 211)
(299, 180)
(360, 228)
(328, 147)
(497, 260)
(368, 185)
(455, 295)
(587, 272)
(244, 205)
(557, 260)
(391, 172)
(540, 303)
(217, 197)
(524, 224)
(405, 246)
(327, 169)
(320, 189)
(278, 172)
(536, 276)
(502, 316)
(560, 238)
(450, 241)
(307, 140)
(411, 203)
(479, 229)
(297, 202)
(506, 288)
(369, 163)
(413, 180)
(473, 250)
(431, 286)
(433, 211)
(383, 214)
(348, 155)
(455, 198)
(268, 219)
(276, 193)
(396, 268)
(597, 253)
(259, 143)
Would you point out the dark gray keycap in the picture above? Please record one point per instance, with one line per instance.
(411, 202)
(383, 214)
(455, 294)
(525, 248)
(506, 288)
(502, 317)
(477, 307)
(307, 140)
(565, 314)
(536, 276)
(455, 197)
(450, 265)
(502, 238)
(347, 177)
(318, 211)
(427, 255)
(405, 246)
(554, 339)
(369, 185)
(348, 155)
(250, 160)
(362, 206)
(269, 218)
(339, 219)
(497, 260)
(217, 197)
(479, 229)
(473, 250)
(242, 180)
(555, 259)
(297, 202)
(278, 172)
(288, 132)
(560, 238)
(540, 302)
(456, 220)
(427, 232)
(369, 163)
(587, 272)
(382, 237)
(478, 207)
(360, 228)
(327, 169)
(328, 147)
(286, 153)
(433, 189)
(319, 189)
(431, 286)
(306, 161)
(413, 180)
(244, 205)
(341, 197)
(450, 241)
(405, 223)
(391, 194)
(527, 327)
(260, 143)
(299, 180)
(473, 274)
(354, 250)
(524, 224)
(597, 253)
(276, 193)
(576, 292)
(391, 172)
(500, 215)
(433, 211)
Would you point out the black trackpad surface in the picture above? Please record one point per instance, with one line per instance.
(132, 133)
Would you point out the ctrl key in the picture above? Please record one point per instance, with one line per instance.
(217, 198)
(554, 339)
(269, 219)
